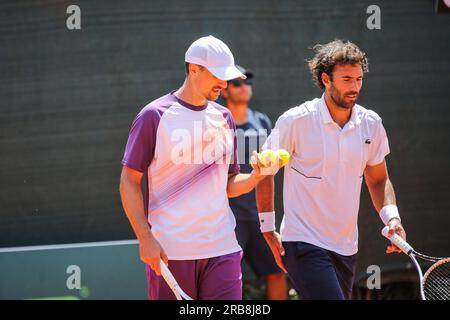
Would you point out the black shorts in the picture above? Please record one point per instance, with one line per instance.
(317, 273)
(257, 253)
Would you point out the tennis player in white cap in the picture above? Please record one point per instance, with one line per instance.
(186, 144)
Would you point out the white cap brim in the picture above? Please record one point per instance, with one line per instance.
(227, 73)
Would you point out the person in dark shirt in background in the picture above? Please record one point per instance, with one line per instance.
(252, 128)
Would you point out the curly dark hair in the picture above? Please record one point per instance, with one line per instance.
(334, 53)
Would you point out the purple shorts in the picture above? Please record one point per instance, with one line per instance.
(217, 278)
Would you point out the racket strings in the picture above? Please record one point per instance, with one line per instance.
(437, 281)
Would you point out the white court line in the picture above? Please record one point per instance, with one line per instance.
(69, 246)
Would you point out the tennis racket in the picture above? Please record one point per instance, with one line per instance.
(435, 283)
(172, 283)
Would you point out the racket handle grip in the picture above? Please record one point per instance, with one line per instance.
(167, 275)
(397, 240)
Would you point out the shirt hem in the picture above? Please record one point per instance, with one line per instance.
(321, 245)
(206, 255)
(132, 166)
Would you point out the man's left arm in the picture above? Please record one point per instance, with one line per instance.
(383, 198)
(240, 183)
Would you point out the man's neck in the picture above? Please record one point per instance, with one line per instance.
(339, 115)
(187, 94)
(239, 112)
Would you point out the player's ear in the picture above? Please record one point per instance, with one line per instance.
(194, 68)
(325, 79)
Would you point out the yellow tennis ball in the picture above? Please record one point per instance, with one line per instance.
(284, 156)
(268, 157)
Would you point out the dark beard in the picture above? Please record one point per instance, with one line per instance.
(339, 101)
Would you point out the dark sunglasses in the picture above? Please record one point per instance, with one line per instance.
(239, 82)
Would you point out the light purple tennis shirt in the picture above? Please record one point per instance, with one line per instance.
(188, 152)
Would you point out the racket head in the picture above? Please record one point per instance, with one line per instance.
(436, 281)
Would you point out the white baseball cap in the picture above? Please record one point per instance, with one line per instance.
(214, 55)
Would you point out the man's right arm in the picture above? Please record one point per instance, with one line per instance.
(133, 203)
(265, 203)
(279, 138)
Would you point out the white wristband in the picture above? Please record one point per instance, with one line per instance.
(267, 221)
(389, 212)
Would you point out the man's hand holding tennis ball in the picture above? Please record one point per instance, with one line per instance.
(268, 162)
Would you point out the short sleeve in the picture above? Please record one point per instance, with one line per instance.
(280, 136)
(380, 146)
(140, 148)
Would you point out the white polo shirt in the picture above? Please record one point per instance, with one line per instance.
(322, 181)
